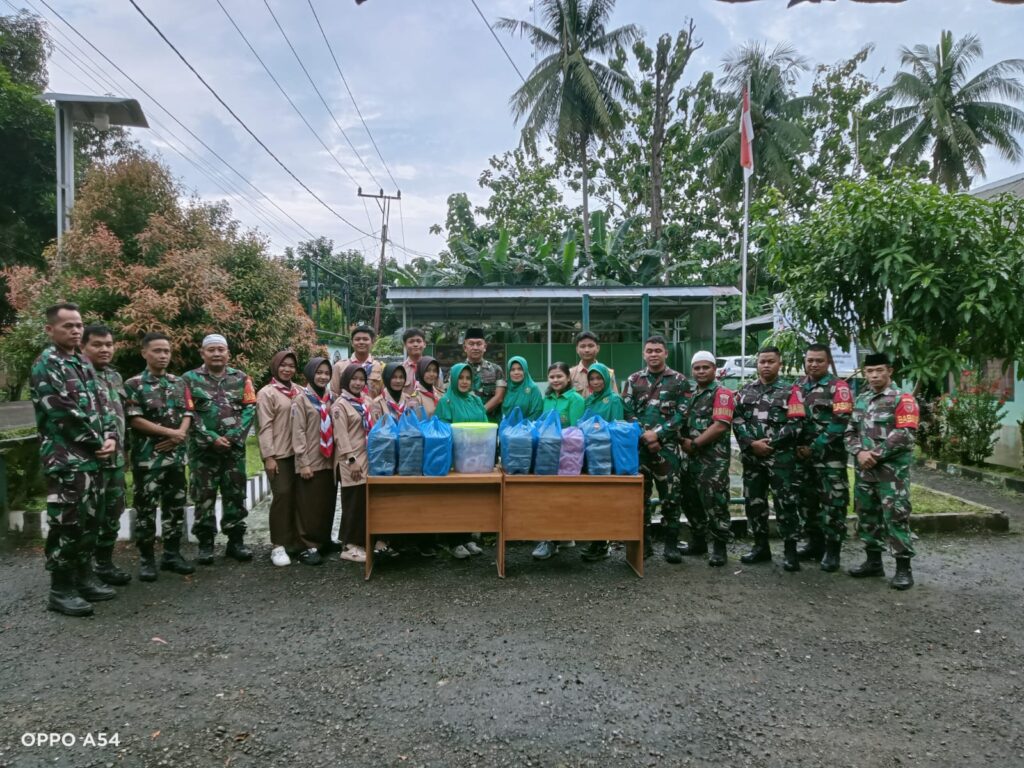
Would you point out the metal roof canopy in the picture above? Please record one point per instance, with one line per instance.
(117, 110)
(532, 303)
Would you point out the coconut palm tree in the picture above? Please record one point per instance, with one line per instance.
(938, 108)
(780, 133)
(570, 95)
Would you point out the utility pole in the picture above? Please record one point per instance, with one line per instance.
(384, 203)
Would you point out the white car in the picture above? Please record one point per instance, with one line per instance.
(732, 368)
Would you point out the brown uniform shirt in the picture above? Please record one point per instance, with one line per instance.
(306, 436)
(349, 443)
(274, 417)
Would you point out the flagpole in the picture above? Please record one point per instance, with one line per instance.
(746, 142)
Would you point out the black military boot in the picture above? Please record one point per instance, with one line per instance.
(648, 542)
(872, 566)
(205, 554)
(790, 558)
(761, 552)
(64, 598)
(173, 561)
(813, 548)
(594, 551)
(237, 549)
(830, 562)
(90, 587)
(147, 565)
(904, 578)
(107, 571)
(718, 554)
(698, 546)
(672, 553)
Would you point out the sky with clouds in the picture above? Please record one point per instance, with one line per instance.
(431, 82)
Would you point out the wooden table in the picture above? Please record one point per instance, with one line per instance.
(584, 507)
(455, 503)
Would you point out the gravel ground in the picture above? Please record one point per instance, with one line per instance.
(439, 663)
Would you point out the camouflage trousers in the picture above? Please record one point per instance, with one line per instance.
(706, 497)
(824, 494)
(71, 503)
(110, 507)
(883, 514)
(775, 474)
(662, 470)
(163, 487)
(213, 472)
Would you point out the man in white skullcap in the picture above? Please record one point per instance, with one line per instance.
(224, 402)
(705, 439)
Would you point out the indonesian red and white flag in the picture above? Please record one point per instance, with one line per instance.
(746, 136)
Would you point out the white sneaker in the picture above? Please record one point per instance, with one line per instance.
(354, 554)
(278, 556)
(473, 548)
(460, 552)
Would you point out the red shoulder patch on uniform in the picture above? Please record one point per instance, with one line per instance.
(725, 404)
(907, 414)
(189, 405)
(795, 409)
(842, 398)
(248, 393)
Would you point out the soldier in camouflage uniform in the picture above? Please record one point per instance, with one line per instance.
(706, 443)
(824, 488)
(159, 409)
(659, 398)
(224, 400)
(76, 432)
(880, 437)
(98, 347)
(488, 378)
(767, 421)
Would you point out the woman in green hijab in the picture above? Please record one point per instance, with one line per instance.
(603, 400)
(459, 404)
(522, 391)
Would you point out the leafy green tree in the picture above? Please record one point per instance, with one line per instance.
(780, 132)
(949, 264)
(24, 49)
(938, 109)
(570, 95)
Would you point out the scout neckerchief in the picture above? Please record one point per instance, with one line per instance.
(289, 390)
(361, 408)
(322, 403)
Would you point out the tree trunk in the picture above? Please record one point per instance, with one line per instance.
(657, 147)
(584, 141)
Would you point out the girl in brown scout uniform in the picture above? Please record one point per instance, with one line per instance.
(274, 415)
(313, 443)
(352, 421)
(428, 389)
(394, 399)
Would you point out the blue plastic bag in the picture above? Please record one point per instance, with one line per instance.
(437, 447)
(625, 447)
(515, 434)
(548, 430)
(382, 446)
(410, 444)
(597, 444)
(570, 462)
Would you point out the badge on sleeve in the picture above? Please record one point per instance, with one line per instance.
(907, 415)
(189, 405)
(725, 404)
(842, 399)
(795, 408)
(248, 394)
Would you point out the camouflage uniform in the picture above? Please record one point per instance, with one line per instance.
(224, 407)
(706, 480)
(884, 423)
(73, 420)
(773, 412)
(487, 377)
(660, 401)
(159, 475)
(111, 478)
(824, 488)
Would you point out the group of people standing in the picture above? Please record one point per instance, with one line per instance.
(793, 441)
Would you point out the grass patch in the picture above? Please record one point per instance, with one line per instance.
(253, 461)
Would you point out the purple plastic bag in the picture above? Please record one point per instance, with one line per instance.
(570, 461)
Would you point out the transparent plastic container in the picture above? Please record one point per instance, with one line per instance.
(474, 447)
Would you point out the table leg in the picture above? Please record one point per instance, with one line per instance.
(501, 555)
(635, 556)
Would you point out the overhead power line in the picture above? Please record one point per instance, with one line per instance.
(242, 123)
(188, 130)
(498, 40)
